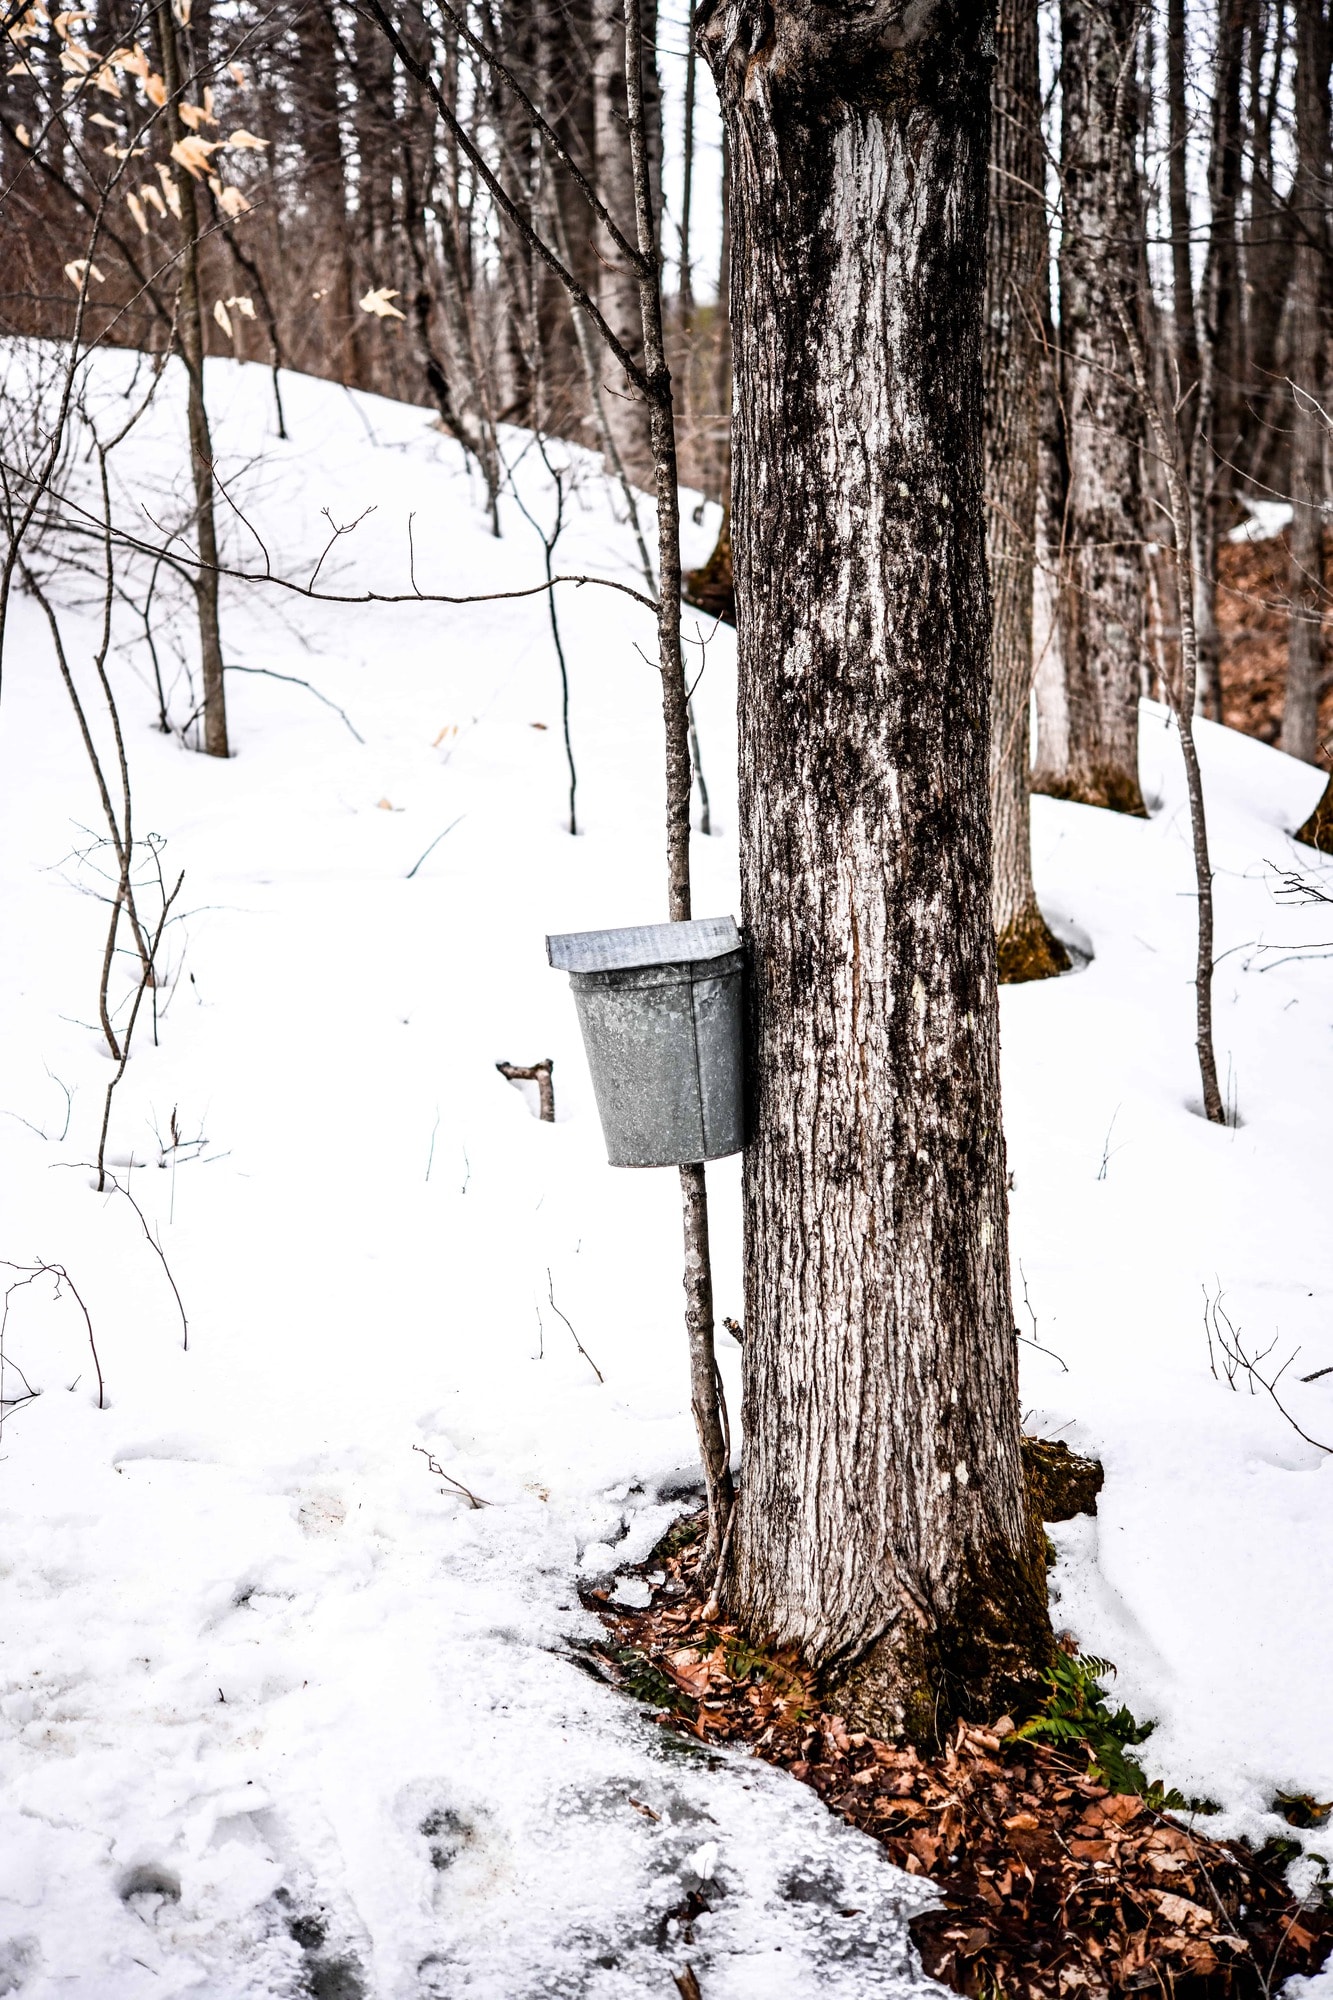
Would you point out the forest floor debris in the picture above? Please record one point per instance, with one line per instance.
(1053, 1884)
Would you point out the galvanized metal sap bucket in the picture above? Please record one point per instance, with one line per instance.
(660, 1010)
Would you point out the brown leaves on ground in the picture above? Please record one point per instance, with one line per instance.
(1052, 1887)
(1253, 613)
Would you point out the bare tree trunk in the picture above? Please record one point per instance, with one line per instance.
(1103, 604)
(1016, 271)
(722, 368)
(1213, 438)
(201, 446)
(882, 1524)
(687, 191)
(1305, 645)
(1050, 769)
(1268, 244)
(618, 282)
(1178, 126)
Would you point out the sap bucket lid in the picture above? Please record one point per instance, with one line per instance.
(639, 945)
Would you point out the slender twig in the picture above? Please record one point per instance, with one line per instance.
(41, 1268)
(440, 1473)
(116, 1188)
(129, 1032)
(271, 673)
(434, 844)
(550, 1293)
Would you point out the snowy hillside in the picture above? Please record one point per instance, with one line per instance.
(282, 1710)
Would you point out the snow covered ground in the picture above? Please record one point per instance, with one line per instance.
(282, 1712)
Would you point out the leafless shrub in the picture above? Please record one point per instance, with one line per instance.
(1238, 1366)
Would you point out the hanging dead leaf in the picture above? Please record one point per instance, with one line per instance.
(236, 73)
(246, 142)
(136, 210)
(244, 306)
(76, 60)
(155, 90)
(133, 61)
(377, 302)
(182, 10)
(105, 79)
(99, 118)
(75, 269)
(152, 196)
(231, 201)
(23, 136)
(192, 116)
(192, 154)
(20, 69)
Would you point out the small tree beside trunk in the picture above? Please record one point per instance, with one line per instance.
(1102, 595)
(1015, 278)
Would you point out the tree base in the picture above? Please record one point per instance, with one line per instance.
(988, 1659)
(1026, 949)
(1114, 790)
(1060, 1483)
(1318, 829)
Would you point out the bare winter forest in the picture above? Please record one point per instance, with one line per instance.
(477, 472)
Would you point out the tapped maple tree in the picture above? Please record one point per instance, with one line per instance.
(882, 1525)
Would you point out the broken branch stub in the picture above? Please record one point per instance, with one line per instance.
(538, 1073)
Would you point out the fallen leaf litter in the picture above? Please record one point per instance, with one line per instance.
(1052, 1887)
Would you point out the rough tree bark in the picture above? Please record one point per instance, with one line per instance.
(882, 1524)
(1050, 768)
(201, 445)
(618, 282)
(1184, 339)
(1102, 603)
(1309, 200)
(1025, 948)
(1212, 437)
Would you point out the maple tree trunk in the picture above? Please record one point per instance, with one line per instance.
(882, 1524)
(1016, 260)
(1102, 602)
(1268, 241)
(201, 445)
(1050, 767)
(1214, 448)
(1305, 646)
(1184, 339)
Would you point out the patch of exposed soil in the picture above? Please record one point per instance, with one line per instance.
(1051, 1885)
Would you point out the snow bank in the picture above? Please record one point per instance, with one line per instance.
(282, 1711)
